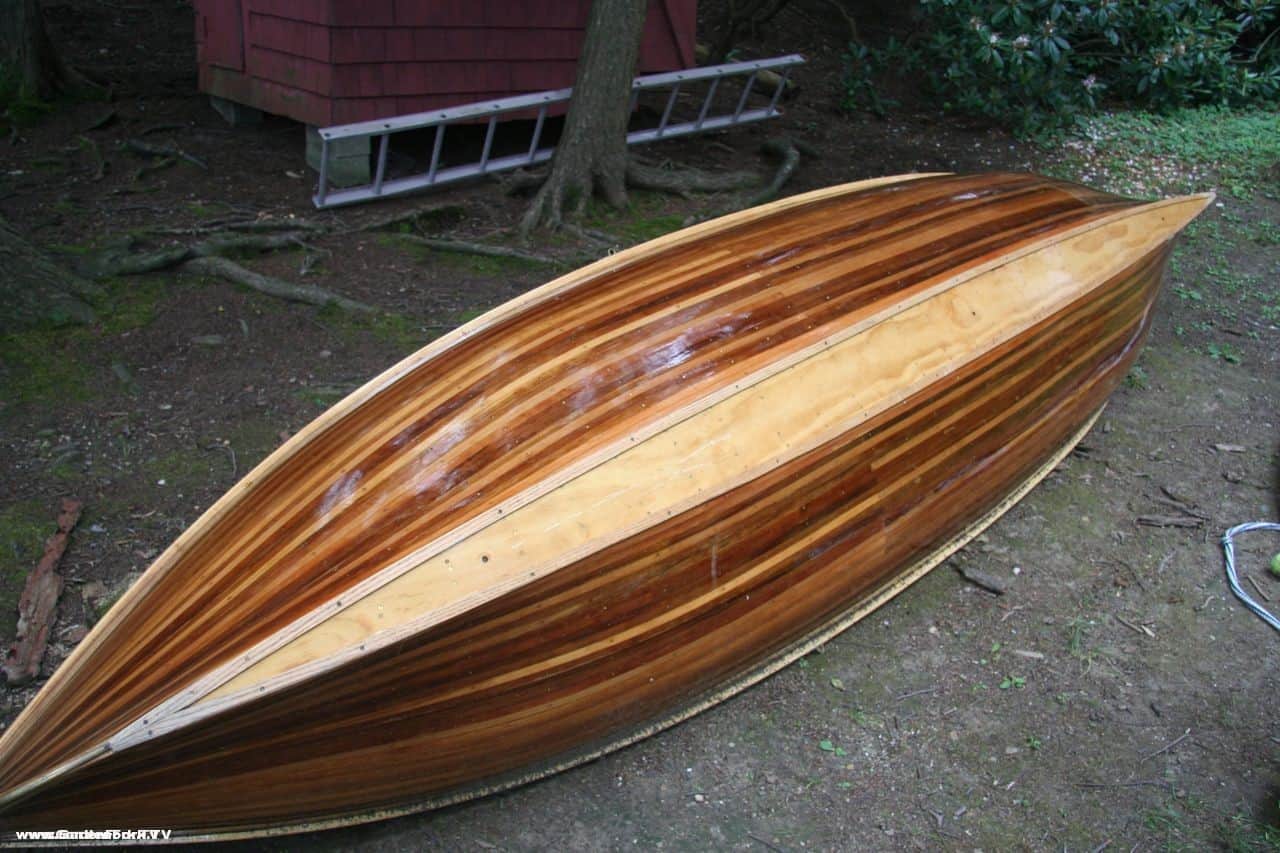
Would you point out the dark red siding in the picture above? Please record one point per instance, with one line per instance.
(334, 61)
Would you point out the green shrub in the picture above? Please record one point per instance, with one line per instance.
(1037, 63)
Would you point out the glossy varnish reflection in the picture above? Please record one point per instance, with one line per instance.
(599, 507)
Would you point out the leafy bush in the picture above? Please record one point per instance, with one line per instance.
(1032, 63)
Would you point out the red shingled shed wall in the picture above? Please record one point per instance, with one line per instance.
(329, 62)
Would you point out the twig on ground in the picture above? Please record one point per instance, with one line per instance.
(231, 453)
(1265, 597)
(1153, 783)
(1146, 632)
(468, 248)
(760, 840)
(1169, 521)
(1170, 745)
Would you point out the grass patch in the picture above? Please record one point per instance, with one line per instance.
(130, 303)
(42, 365)
(1182, 151)
(645, 219)
(48, 364)
(178, 469)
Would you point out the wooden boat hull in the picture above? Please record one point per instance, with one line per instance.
(600, 508)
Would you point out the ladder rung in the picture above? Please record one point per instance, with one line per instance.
(435, 153)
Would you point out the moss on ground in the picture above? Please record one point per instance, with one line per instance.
(404, 334)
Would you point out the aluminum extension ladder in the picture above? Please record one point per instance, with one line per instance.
(436, 174)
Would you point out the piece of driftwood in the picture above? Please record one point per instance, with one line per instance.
(600, 508)
(38, 604)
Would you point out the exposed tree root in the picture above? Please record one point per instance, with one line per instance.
(121, 261)
(786, 151)
(468, 248)
(36, 290)
(95, 153)
(563, 192)
(231, 271)
(146, 149)
(521, 182)
(412, 216)
(683, 182)
(643, 175)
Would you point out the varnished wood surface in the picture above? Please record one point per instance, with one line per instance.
(244, 654)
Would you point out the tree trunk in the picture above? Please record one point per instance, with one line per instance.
(592, 154)
(27, 54)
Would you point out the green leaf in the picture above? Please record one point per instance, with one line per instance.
(837, 684)
(826, 746)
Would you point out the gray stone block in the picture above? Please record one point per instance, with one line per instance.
(235, 113)
(348, 158)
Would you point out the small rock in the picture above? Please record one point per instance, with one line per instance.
(699, 798)
(74, 634)
(93, 591)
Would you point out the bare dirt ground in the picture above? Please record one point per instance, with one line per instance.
(1114, 697)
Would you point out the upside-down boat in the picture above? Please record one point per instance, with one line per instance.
(600, 508)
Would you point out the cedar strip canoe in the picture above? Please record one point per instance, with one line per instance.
(600, 508)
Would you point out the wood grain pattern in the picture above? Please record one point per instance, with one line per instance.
(598, 505)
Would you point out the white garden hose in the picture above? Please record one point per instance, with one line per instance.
(1232, 578)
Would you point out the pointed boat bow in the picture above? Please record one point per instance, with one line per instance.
(600, 507)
